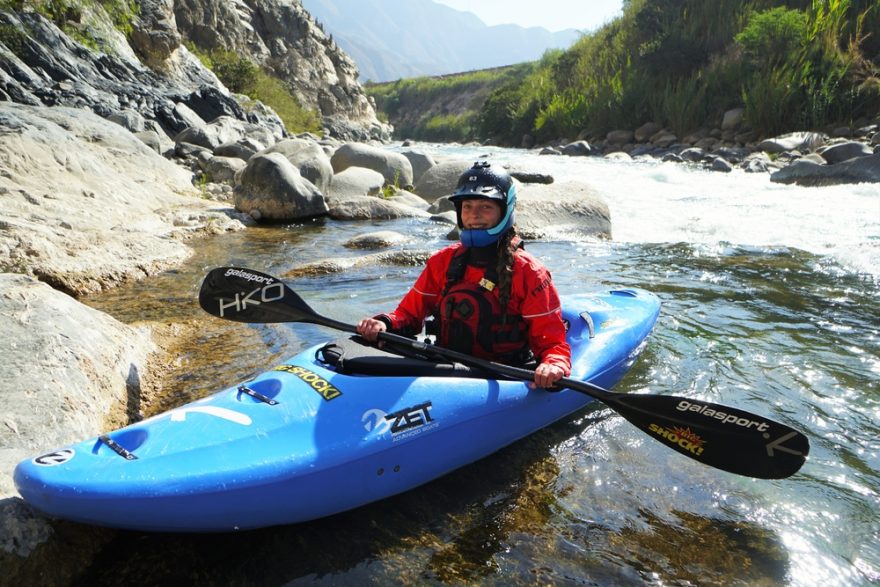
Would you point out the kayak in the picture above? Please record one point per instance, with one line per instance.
(335, 427)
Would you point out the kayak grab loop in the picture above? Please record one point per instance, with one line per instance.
(257, 395)
(118, 448)
(589, 320)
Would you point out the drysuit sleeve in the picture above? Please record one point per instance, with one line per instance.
(421, 300)
(542, 311)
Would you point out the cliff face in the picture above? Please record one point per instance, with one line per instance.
(152, 73)
(281, 36)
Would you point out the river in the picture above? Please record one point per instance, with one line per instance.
(771, 303)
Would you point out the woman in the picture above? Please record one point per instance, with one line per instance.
(489, 297)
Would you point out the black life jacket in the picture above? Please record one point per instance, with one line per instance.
(470, 319)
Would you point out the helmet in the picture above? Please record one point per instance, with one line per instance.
(482, 181)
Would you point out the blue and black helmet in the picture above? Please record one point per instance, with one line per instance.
(482, 181)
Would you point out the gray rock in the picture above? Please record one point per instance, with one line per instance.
(807, 173)
(355, 182)
(394, 167)
(154, 34)
(273, 186)
(577, 149)
(243, 148)
(441, 205)
(663, 139)
(619, 137)
(447, 217)
(646, 131)
(840, 152)
(152, 139)
(755, 166)
(409, 199)
(441, 179)
(223, 169)
(307, 156)
(421, 162)
(531, 176)
(376, 240)
(370, 208)
(544, 210)
(732, 119)
(692, 154)
(127, 207)
(128, 119)
(798, 141)
(329, 266)
(720, 164)
(66, 368)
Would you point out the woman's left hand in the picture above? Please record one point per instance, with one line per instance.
(546, 375)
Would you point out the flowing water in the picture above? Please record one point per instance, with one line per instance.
(771, 302)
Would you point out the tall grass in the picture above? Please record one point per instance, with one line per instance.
(792, 64)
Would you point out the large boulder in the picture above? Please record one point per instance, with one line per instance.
(68, 373)
(394, 167)
(441, 179)
(547, 210)
(225, 129)
(421, 162)
(371, 208)
(355, 182)
(796, 141)
(844, 151)
(808, 173)
(86, 204)
(309, 157)
(271, 188)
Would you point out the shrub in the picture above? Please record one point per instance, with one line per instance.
(773, 36)
(243, 76)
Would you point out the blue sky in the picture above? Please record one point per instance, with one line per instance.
(554, 15)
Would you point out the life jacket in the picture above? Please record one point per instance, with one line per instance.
(469, 317)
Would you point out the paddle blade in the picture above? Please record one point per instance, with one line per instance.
(719, 436)
(245, 295)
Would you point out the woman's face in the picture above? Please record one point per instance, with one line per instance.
(480, 214)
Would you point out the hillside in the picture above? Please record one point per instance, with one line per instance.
(441, 108)
(679, 64)
(396, 39)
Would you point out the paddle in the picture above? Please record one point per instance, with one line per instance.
(716, 435)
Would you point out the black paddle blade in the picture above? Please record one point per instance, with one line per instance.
(245, 295)
(719, 436)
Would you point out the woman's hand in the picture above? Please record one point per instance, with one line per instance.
(546, 375)
(370, 328)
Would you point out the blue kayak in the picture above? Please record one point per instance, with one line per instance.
(335, 427)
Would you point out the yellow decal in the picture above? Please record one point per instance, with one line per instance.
(683, 437)
(315, 381)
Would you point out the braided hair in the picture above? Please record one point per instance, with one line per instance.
(506, 252)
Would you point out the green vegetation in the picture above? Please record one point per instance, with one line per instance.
(68, 15)
(243, 76)
(462, 96)
(13, 37)
(793, 65)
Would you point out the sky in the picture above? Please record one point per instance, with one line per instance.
(553, 15)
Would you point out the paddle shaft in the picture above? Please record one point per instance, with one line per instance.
(716, 435)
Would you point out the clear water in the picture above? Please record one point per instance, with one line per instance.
(771, 302)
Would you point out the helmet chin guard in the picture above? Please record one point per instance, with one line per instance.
(484, 182)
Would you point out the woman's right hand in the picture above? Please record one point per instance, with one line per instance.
(370, 328)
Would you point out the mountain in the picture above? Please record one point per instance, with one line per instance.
(393, 39)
